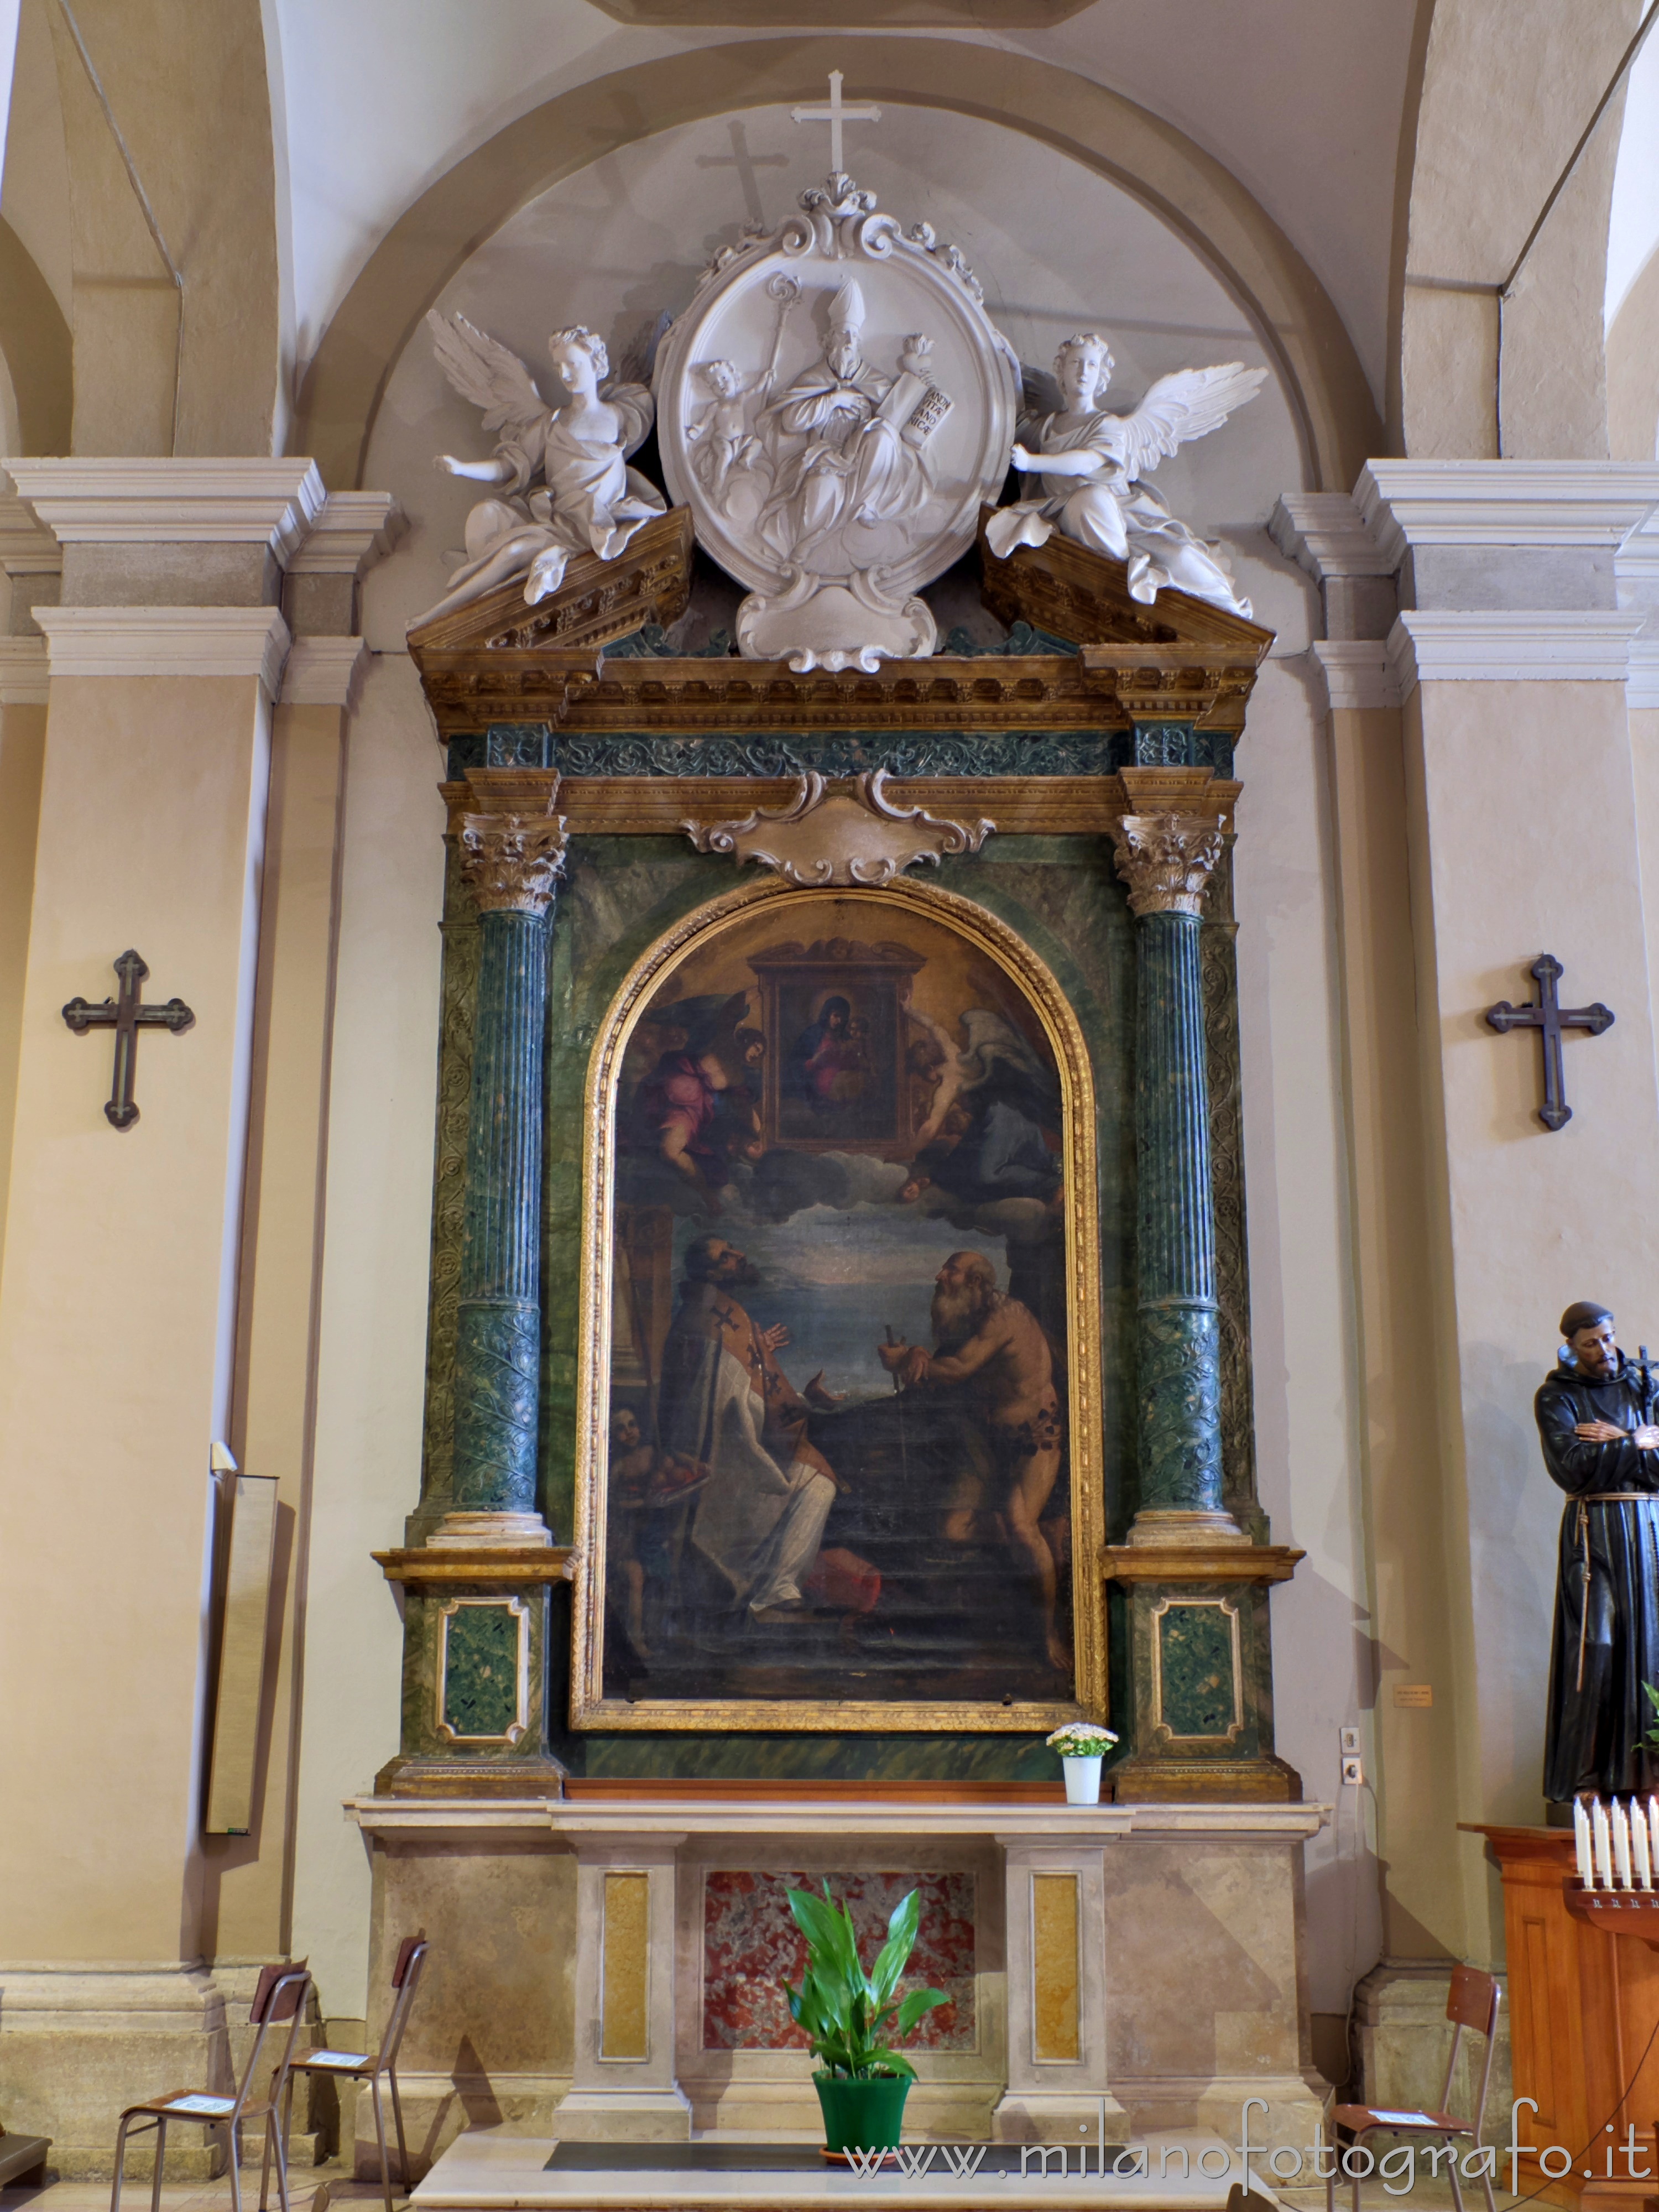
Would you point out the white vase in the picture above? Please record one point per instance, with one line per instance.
(1082, 1780)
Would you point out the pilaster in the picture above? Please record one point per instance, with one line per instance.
(128, 1261)
(1059, 2065)
(1481, 753)
(624, 2087)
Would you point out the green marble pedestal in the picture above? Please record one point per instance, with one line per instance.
(1193, 1619)
(476, 1625)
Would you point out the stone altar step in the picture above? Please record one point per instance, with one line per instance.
(487, 2170)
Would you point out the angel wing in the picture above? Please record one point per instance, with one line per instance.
(636, 409)
(1188, 404)
(486, 373)
(1040, 393)
(999, 1056)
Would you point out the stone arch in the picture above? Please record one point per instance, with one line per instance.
(35, 338)
(1527, 380)
(1158, 165)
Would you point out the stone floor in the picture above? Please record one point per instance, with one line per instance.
(316, 2189)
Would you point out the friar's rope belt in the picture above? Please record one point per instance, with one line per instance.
(1597, 1498)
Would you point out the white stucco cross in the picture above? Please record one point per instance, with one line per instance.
(834, 112)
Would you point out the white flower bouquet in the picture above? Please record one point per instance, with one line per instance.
(1081, 1740)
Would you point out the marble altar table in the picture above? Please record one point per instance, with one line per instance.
(604, 1969)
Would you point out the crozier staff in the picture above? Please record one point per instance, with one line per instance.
(1595, 1422)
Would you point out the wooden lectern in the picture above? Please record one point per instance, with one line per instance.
(1583, 1974)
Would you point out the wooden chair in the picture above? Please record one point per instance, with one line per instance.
(280, 1996)
(370, 2065)
(1473, 2003)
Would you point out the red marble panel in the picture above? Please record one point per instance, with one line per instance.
(750, 1944)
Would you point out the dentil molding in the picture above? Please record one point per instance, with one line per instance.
(1357, 673)
(273, 503)
(1512, 645)
(166, 641)
(326, 672)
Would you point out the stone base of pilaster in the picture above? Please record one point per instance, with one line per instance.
(624, 2115)
(1402, 2039)
(1163, 1528)
(1188, 1622)
(538, 1776)
(79, 2043)
(1060, 2116)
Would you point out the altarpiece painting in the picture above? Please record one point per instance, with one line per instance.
(839, 1449)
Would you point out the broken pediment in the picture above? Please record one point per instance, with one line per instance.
(597, 602)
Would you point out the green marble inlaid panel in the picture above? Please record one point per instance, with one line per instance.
(481, 1670)
(1195, 1666)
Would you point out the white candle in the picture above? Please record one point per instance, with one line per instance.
(1641, 1845)
(1602, 1836)
(1621, 1845)
(1580, 1836)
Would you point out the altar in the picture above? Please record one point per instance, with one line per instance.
(838, 1370)
(604, 1968)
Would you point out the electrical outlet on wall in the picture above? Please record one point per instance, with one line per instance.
(1350, 1737)
(1353, 1772)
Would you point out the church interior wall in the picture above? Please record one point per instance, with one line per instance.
(372, 1331)
(1390, 864)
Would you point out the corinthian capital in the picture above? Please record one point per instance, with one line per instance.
(512, 861)
(1166, 860)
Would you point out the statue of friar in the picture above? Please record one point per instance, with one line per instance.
(1595, 1423)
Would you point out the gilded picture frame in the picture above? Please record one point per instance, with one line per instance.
(881, 913)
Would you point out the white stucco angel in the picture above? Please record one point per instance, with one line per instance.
(1091, 465)
(585, 499)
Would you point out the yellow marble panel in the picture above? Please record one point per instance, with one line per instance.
(1054, 2032)
(625, 1976)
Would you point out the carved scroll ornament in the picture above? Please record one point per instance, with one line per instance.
(512, 861)
(1166, 860)
(839, 834)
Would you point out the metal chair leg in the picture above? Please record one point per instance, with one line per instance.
(397, 2115)
(379, 2133)
(161, 2154)
(120, 2161)
(235, 2133)
(265, 2167)
(1451, 2175)
(282, 2158)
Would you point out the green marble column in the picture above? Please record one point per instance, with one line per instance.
(1166, 859)
(511, 860)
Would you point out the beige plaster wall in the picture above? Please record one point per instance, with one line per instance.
(109, 1399)
(187, 85)
(1478, 177)
(1633, 371)
(372, 1322)
(248, 1879)
(1524, 1220)
(1409, 1591)
(22, 750)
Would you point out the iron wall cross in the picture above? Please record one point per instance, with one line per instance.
(126, 1015)
(1549, 1018)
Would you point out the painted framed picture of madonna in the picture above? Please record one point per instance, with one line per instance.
(839, 1451)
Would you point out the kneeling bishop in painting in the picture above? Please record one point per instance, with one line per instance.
(726, 1403)
(1595, 1422)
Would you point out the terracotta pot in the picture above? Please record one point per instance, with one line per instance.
(862, 2115)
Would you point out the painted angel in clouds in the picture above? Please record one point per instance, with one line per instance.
(565, 486)
(1091, 465)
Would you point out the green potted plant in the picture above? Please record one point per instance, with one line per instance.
(1082, 1745)
(862, 2081)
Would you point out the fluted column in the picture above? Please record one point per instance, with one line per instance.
(1166, 858)
(511, 860)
